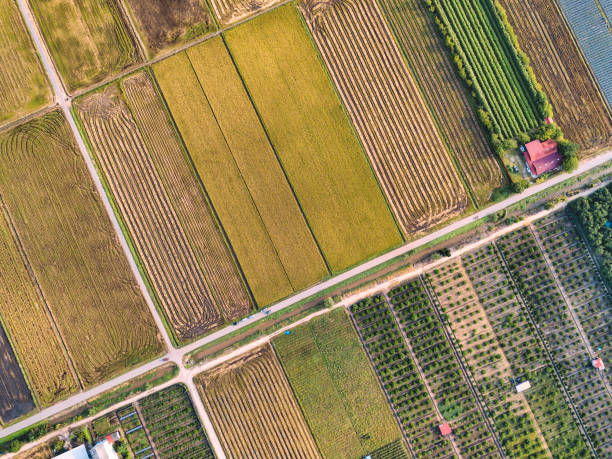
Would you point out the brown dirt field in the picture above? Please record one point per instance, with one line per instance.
(253, 408)
(229, 11)
(170, 22)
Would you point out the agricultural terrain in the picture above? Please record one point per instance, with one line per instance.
(578, 107)
(230, 11)
(238, 167)
(173, 227)
(65, 237)
(405, 148)
(561, 287)
(336, 387)
(23, 84)
(15, 397)
(312, 137)
(89, 40)
(168, 23)
(485, 56)
(590, 22)
(253, 409)
(447, 101)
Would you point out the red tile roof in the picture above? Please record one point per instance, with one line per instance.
(598, 363)
(445, 429)
(542, 156)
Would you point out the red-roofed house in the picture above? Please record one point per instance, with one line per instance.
(542, 156)
(445, 429)
(598, 363)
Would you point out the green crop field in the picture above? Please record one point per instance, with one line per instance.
(337, 389)
(240, 172)
(23, 86)
(88, 39)
(313, 138)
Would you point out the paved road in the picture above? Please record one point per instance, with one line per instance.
(174, 354)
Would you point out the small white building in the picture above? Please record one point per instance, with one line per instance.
(75, 453)
(522, 386)
(104, 450)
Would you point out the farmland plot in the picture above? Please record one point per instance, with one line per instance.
(434, 73)
(578, 106)
(513, 420)
(438, 365)
(240, 172)
(74, 254)
(502, 346)
(168, 23)
(336, 388)
(173, 424)
(25, 317)
(88, 39)
(313, 138)
(491, 64)
(174, 231)
(405, 148)
(592, 30)
(566, 339)
(253, 410)
(230, 11)
(23, 85)
(15, 397)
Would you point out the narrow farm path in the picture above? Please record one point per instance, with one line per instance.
(420, 370)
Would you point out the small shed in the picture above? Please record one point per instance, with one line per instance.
(521, 387)
(445, 429)
(598, 363)
(542, 157)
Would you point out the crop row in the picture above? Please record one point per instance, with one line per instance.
(401, 139)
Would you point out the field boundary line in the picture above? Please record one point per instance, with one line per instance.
(30, 116)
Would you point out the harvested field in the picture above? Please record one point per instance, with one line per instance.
(89, 39)
(166, 23)
(75, 256)
(253, 410)
(240, 172)
(15, 397)
(25, 316)
(447, 100)
(332, 379)
(172, 225)
(578, 106)
(313, 138)
(23, 85)
(230, 11)
(405, 148)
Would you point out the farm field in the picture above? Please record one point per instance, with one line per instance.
(74, 255)
(253, 410)
(23, 84)
(447, 101)
(175, 233)
(89, 40)
(230, 11)
(238, 167)
(405, 148)
(312, 137)
(337, 390)
(578, 106)
(15, 397)
(25, 318)
(501, 346)
(592, 31)
(553, 294)
(489, 60)
(168, 23)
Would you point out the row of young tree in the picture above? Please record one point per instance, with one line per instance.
(594, 214)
